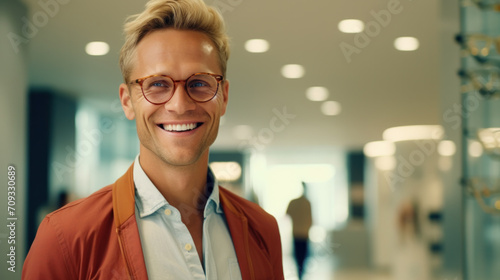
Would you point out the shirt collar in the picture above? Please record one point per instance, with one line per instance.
(149, 199)
(214, 197)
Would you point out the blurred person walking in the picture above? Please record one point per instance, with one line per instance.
(299, 210)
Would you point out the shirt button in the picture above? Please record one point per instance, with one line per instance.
(168, 212)
(188, 247)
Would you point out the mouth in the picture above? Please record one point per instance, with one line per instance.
(180, 127)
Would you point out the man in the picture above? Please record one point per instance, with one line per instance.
(299, 211)
(166, 218)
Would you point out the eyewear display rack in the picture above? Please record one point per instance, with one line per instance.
(480, 110)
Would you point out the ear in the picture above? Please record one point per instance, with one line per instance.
(225, 96)
(126, 101)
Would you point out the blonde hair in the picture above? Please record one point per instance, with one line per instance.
(177, 14)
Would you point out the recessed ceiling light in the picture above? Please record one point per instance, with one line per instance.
(379, 149)
(317, 93)
(257, 46)
(413, 132)
(97, 48)
(406, 44)
(331, 108)
(293, 71)
(351, 26)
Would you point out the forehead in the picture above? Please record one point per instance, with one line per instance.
(171, 45)
(176, 36)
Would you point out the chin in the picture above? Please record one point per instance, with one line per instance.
(182, 159)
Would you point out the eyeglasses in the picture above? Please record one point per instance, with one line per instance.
(484, 80)
(159, 89)
(483, 194)
(478, 45)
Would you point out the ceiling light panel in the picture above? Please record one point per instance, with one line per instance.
(413, 132)
(351, 26)
(379, 149)
(257, 46)
(317, 93)
(97, 48)
(331, 108)
(293, 71)
(406, 44)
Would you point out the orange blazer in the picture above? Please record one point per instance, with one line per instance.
(97, 238)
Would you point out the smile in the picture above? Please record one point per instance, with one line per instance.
(179, 127)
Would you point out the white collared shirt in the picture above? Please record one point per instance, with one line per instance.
(168, 248)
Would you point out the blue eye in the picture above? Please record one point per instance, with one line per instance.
(159, 84)
(197, 83)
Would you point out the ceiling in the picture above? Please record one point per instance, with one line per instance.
(379, 88)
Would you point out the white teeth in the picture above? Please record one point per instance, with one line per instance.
(179, 127)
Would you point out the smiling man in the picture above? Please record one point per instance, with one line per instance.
(166, 218)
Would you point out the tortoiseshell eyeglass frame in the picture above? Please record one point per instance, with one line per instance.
(140, 81)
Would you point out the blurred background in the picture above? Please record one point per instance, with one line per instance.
(363, 101)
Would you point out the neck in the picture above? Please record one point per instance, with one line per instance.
(184, 187)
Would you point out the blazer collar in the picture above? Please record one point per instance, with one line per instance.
(124, 197)
(238, 227)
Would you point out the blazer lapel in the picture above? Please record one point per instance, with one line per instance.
(126, 226)
(238, 227)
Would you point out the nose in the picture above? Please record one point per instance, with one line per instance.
(180, 102)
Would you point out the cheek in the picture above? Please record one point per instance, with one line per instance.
(220, 107)
(143, 115)
(143, 107)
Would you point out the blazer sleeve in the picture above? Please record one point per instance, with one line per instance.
(48, 257)
(276, 252)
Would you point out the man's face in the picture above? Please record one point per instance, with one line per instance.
(178, 54)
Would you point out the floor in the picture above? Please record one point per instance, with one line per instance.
(326, 268)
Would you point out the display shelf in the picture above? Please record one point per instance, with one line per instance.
(480, 78)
